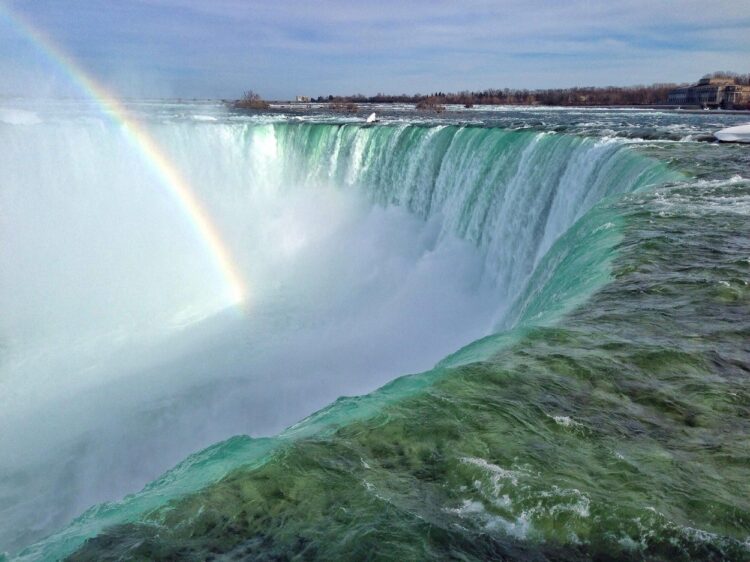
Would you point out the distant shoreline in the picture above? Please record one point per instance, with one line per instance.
(676, 108)
(719, 89)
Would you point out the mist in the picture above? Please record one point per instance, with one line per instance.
(120, 351)
(366, 253)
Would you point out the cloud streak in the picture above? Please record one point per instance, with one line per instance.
(219, 48)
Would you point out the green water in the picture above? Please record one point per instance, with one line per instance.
(622, 432)
(608, 417)
(512, 193)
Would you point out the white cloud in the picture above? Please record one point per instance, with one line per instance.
(216, 48)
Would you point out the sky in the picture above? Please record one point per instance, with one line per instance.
(220, 48)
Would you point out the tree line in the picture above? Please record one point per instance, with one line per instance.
(653, 94)
(587, 96)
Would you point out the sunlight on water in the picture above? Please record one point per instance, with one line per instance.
(371, 252)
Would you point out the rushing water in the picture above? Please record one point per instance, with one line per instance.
(573, 285)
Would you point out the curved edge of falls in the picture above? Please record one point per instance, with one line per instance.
(534, 203)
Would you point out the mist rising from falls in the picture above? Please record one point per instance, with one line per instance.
(510, 193)
(368, 253)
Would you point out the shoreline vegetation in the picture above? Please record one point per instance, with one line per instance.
(587, 96)
(251, 100)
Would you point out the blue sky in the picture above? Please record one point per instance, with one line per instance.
(218, 48)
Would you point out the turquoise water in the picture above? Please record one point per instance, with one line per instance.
(604, 415)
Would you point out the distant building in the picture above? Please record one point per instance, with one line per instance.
(736, 95)
(711, 92)
(305, 99)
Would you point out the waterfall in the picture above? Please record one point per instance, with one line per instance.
(369, 252)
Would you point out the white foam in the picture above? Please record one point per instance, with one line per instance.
(113, 307)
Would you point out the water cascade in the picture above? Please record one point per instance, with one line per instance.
(367, 252)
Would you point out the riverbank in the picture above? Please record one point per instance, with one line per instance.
(280, 104)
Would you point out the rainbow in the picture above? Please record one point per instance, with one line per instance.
(149, 150)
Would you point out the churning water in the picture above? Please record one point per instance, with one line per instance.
(579, 278)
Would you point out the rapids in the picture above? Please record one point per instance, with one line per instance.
(368, 252)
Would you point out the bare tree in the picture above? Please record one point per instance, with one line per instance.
(251, 100)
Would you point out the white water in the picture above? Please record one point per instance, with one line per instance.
(119, 356)
(108, 376)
